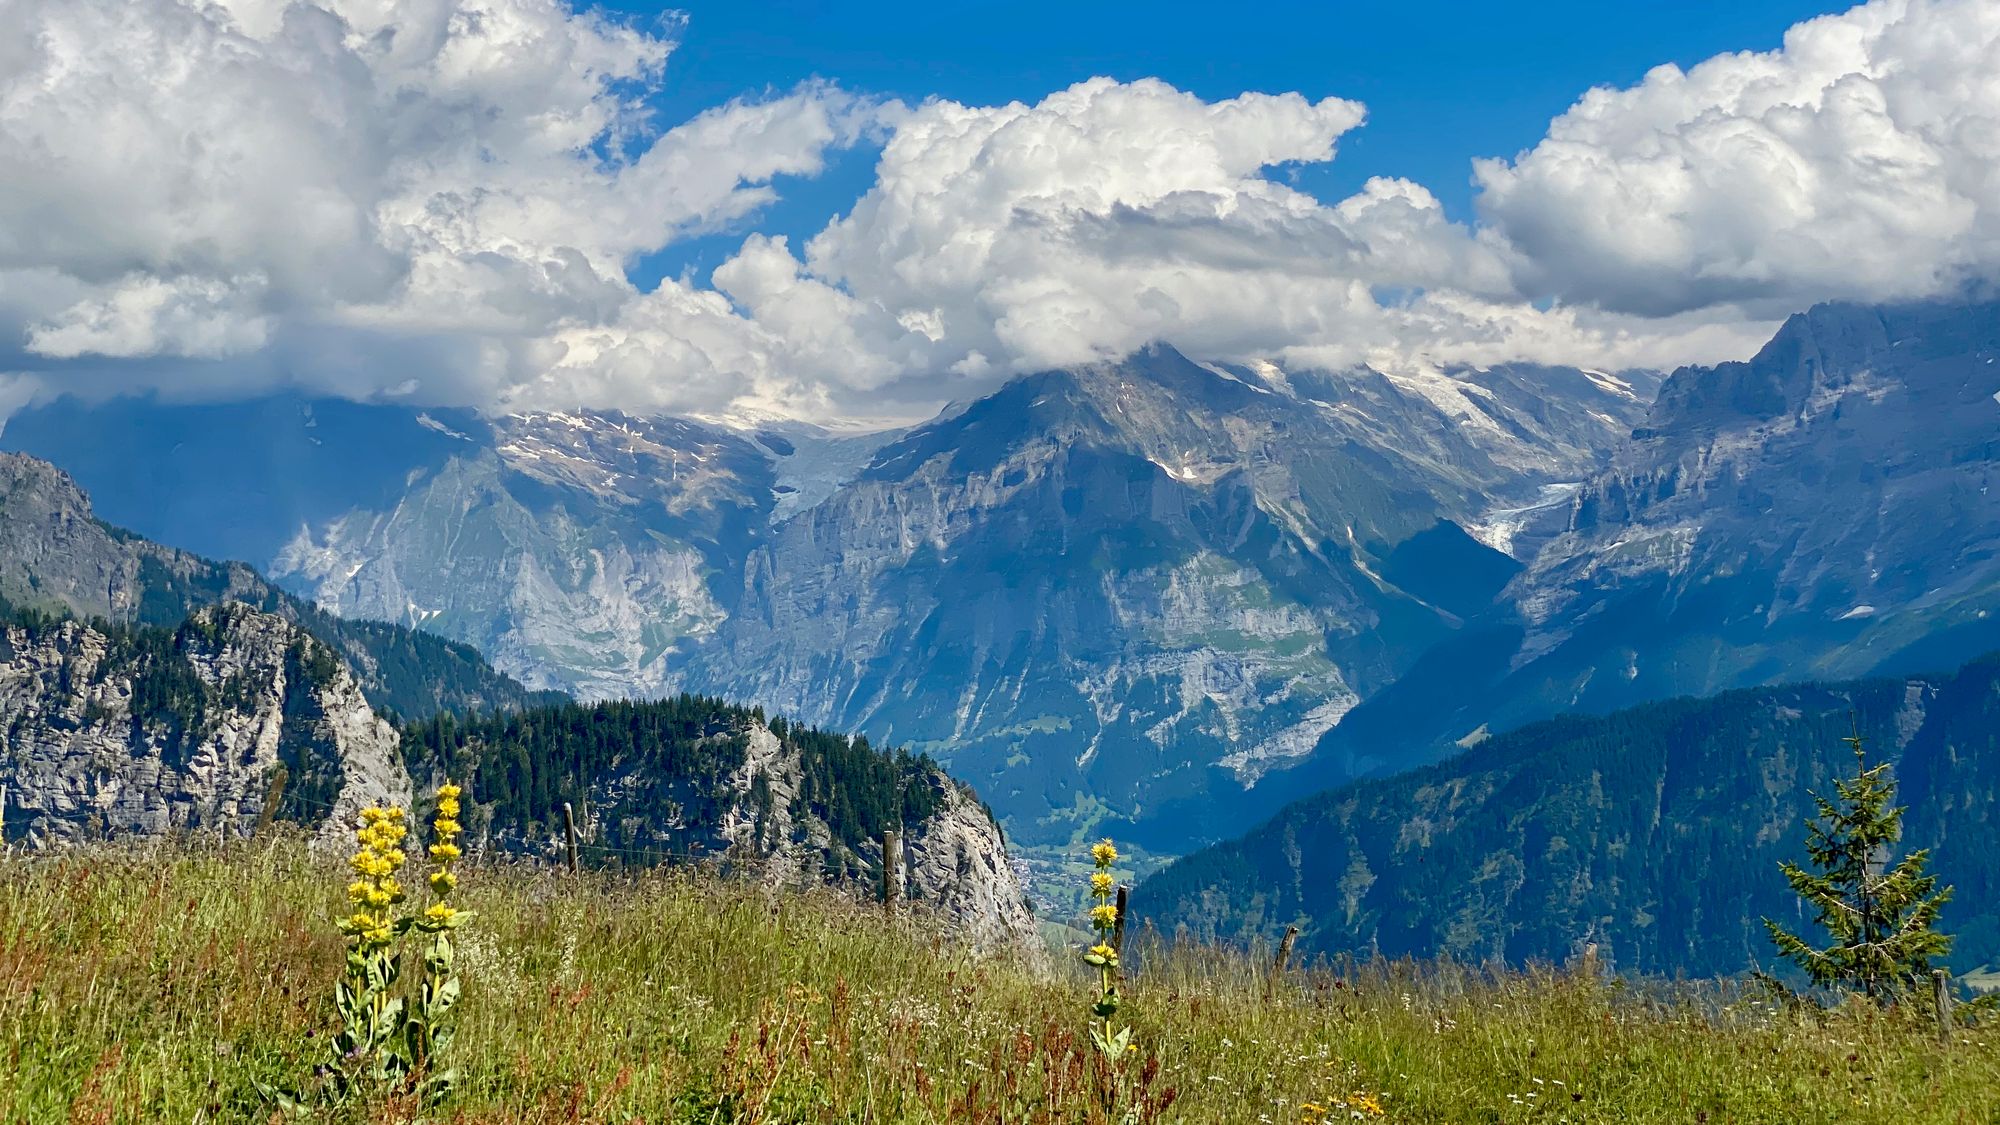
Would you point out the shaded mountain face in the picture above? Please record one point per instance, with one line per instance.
(578, 553)
(56, 555)
(1825, 509)
(1654, 832)
(1113, 592)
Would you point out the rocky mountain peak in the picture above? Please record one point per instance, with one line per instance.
(1818, 355)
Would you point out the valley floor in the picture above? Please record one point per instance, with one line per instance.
(157, 984)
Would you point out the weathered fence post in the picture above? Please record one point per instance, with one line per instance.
(273, 793)
(1284, 955)
(1118, 931)
(569, 830)
(1941, 987)
(892, 860)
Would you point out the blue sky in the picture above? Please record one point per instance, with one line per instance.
(1444, 82)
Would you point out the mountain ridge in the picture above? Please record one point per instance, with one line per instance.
(1652, 833)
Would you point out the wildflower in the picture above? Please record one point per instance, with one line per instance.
(1103, 915)
(440, 913)
(1104, 853)
(1100, 883)
(445, 853)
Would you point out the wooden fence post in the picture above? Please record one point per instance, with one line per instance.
(1118, 929)
(892, 861)
(1941, 987)
(569, 830)
(273, 793)
(1284, 955)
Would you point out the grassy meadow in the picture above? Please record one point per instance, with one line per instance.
(162, 984)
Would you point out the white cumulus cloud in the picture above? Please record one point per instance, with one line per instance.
(458, 183)
(442, 198)
(1861, 160)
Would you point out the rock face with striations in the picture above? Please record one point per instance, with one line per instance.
(111, 732)
(1108, 595)
(955, 861)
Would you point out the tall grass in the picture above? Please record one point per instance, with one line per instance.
(160, 984)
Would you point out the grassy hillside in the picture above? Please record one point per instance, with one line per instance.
(160, 985)
(1653, 832)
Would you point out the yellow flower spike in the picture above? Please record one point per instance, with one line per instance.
(1104, 916)
(443, 881)
(1100, 884)
(445, 851)
(440, 913)
(1104, 853)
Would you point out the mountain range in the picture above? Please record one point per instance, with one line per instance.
(1099, 594)
(1156, 598)
(145, 690)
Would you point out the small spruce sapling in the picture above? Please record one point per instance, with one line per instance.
(1881, 918)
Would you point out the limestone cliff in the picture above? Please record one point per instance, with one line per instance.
(106, 731)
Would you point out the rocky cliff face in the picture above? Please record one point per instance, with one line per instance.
(579, 552)
(954, 862)
(1824, 509)
(111, 733)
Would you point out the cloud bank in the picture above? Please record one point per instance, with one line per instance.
(441, 198)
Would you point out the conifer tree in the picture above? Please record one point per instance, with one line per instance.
(1881, 918)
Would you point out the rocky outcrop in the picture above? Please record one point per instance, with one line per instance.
(112, 732)
(958, 860)
(954, 862)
